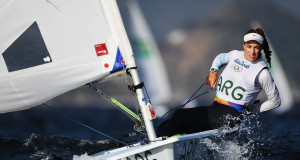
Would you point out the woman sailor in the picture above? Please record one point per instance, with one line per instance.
(244, 76)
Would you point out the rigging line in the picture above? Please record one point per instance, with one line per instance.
(204, 93)
(74, 120)
(181, 106)
(127, 71)
(126, 110)
(189, 100)
(116, 103)
(147, 94)
(119, 105)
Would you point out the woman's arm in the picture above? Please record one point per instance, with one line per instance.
(218, 62)
(266, 81)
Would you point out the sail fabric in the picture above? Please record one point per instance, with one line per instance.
(51, 47)
(148, 57)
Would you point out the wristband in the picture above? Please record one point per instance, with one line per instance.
(213, 70)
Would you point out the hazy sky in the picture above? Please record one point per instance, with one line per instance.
(166, 15)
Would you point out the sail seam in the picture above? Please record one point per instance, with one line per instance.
(6, 5)
(16, 90)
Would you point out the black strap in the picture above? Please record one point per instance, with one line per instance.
(128, 70)
(133, 88)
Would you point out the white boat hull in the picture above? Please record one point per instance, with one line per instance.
(183, 147)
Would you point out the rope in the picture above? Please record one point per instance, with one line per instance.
(125, 109)
(119, 105)
(203, 93)
(148, 97)
(84, 125)
(181, 106)
(188, 101)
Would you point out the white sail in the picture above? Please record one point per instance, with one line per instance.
(148, 57)
(51, 47)
(280, 79)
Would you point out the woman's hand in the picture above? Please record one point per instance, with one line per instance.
(212, 79)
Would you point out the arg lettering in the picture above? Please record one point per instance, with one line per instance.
(236, 92)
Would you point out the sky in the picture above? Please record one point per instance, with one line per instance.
(178, 13)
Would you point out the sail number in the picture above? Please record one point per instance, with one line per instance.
(187, 150)
(141, 156)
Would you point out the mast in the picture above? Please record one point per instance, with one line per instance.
(118, 26)
(148, 57)
(143, 106)
(32, 53)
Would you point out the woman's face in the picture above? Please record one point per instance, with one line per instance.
(251, 50)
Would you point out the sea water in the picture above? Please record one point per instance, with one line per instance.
(252, 140)
(238, 142)
(256, 138)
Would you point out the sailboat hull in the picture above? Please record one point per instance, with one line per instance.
(183, 147)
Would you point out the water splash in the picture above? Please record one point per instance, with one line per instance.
(238, 142)
(83, 157)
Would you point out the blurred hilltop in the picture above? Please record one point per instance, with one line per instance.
(188, 49)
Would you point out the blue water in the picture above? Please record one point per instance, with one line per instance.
(37, 134)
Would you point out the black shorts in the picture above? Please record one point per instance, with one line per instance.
(192, 120)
